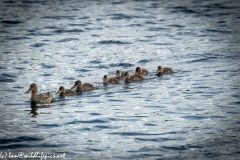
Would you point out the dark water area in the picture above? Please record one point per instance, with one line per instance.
(190, 114)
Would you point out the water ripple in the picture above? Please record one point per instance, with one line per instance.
(68, 31)
(68, 39)
(11, 22)
(125, 65)
(8, 77)
(202, 117)
(159, 139)
(112, 42)
(134, 134)
(47, 66)
(89, 121)
(19, 139)
(38, 44)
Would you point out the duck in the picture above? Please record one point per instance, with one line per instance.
(141, 71)
(82, 87)
(65, 92)
(43, 97)
(107, 80)
(164, 70)
(119, 74)
(135, 77)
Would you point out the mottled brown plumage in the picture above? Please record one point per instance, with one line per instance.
(119, 74)
(82, 87)
(65, 92)
(135, 77)
(107, 80)
(44, 97)
(140, 71)
(164, 70)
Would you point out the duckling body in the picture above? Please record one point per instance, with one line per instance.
(44, 97)
(164, 70)
(82, 87)
(133, 78)
(140, 71)
(65, 92)
(107, 80)
(119, 74)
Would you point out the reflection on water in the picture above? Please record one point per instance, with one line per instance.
(34, 108)
(192, 113)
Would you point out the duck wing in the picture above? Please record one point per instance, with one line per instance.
(44, 97)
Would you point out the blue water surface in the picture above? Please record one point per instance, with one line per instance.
(191, 114)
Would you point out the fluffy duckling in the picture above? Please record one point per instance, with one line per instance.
(135, 77)
(65, 92)
(164, 70)
(82, 87)
(44, 97)
(119, 74)
(107, 80)
(141, 71)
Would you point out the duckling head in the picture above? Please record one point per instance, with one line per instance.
(160, 69)
(61, 90)
(78, 83)
(138, 70)
(105, 79)
(32, 88)
(126, 76)
(118, 73)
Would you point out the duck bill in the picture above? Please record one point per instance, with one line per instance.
(58, 92)
(28, 91)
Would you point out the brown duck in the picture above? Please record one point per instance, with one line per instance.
(119, 74)
(141, 71)
(44, 97)
(107, 80)
(82, 87)
(135, 77)
(65, 92)
(164, 70)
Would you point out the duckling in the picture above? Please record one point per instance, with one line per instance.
(65, 92)
(44, 97)
(82, 87)
(165, 70)
(107, 80)
(135, 77)
(141, 71)
(119, 74)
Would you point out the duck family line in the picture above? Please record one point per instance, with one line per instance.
(138, 76)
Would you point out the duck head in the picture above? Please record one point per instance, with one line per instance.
(61, 90)
(32, 88)
(126, 76)
(118, 74)
(78, 83)
(105, 79)
(160, 69)
(138, 70)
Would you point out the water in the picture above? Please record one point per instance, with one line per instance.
(191, 114)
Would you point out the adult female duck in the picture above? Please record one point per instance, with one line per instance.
(44, 97)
